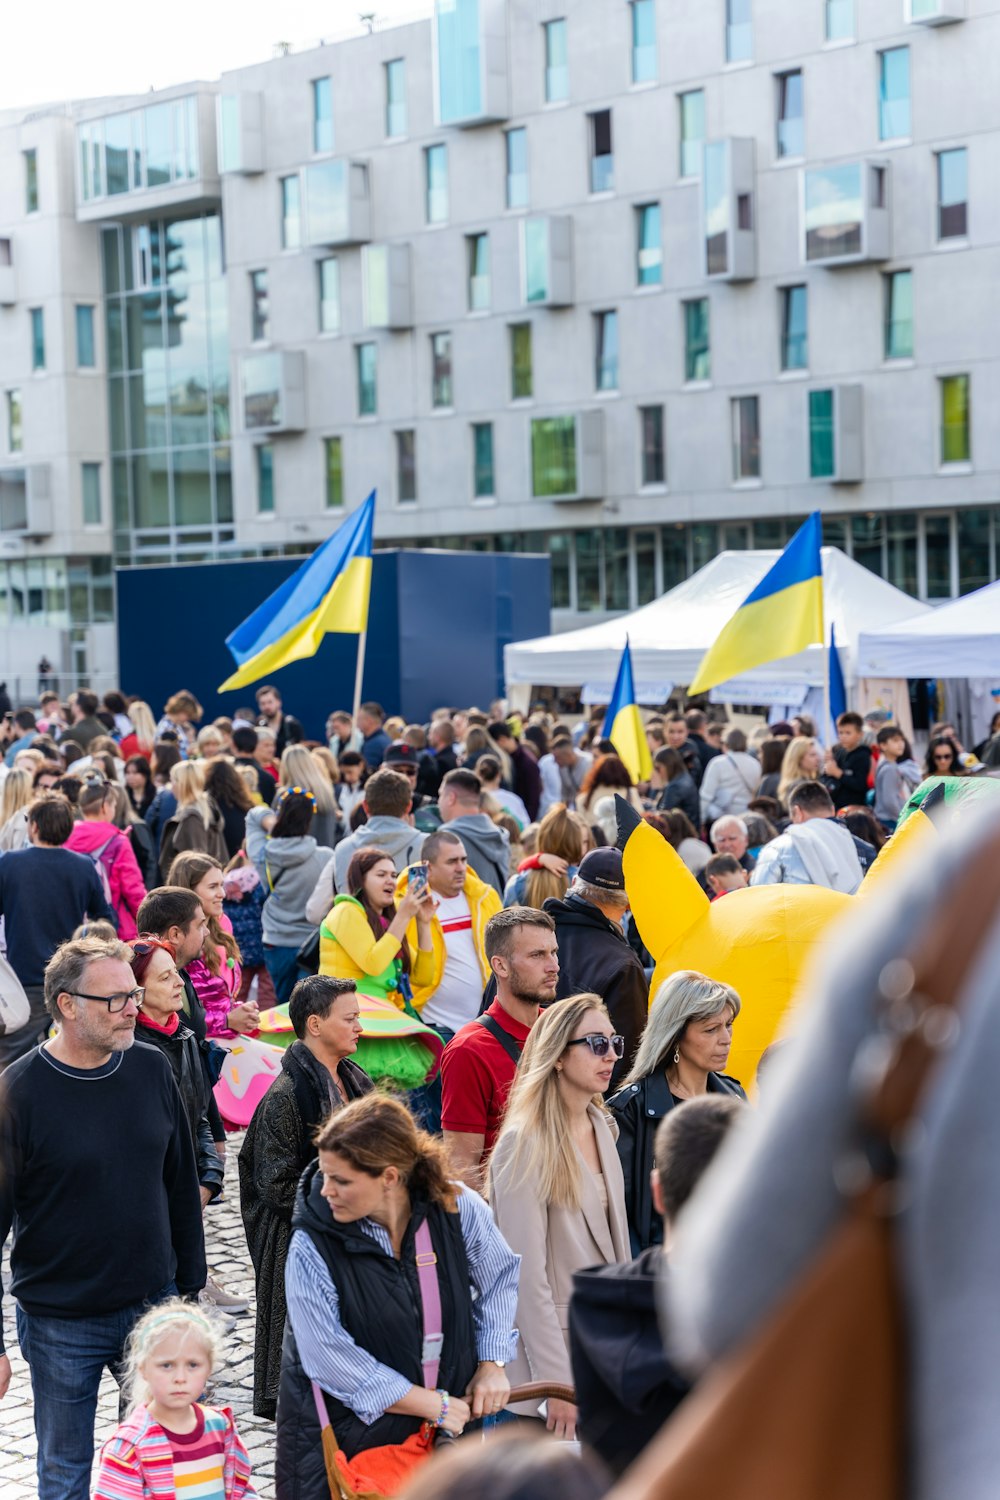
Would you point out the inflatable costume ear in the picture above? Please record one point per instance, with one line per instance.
(666, 899)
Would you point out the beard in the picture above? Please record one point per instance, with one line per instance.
(528, 994)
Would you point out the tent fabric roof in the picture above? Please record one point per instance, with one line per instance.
(669, 636)
(955, 640)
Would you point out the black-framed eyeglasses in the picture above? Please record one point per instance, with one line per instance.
(114, 1003)
(599, 1044)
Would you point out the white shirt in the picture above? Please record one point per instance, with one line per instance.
(459, 995)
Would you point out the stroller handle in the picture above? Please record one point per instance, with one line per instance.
(541, 1391)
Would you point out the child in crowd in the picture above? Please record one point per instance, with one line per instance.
(724, 873)
(170, 1356)
(896, 776)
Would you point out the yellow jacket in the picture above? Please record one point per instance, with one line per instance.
(348, 950)
(483, 904)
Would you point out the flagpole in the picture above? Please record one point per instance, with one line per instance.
(359, 673)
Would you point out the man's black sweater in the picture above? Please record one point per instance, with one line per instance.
(99, 1184)
(44, 895)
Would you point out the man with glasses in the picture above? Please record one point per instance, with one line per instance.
(46, 891)
(100, 1189)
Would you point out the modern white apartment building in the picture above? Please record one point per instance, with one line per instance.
(626, 281)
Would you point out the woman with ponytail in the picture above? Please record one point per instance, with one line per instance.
(375, 1219)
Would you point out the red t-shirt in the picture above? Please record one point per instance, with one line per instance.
(476, 1075)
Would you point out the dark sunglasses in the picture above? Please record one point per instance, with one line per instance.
(599, 1044)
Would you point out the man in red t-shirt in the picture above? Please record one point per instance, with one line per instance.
(480, 1061)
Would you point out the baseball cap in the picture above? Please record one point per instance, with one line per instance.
(603, 868)
(400, 754)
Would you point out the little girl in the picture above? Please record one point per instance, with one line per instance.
(169, 1445)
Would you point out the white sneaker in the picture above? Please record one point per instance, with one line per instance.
(216, 1296)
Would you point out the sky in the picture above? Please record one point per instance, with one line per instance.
(56, 49)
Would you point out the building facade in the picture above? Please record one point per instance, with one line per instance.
(624, 281)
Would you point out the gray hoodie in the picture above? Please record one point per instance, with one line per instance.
(289, 869)
(397, 837)
(487, 847)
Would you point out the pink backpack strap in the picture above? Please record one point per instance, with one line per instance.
(430, 1300)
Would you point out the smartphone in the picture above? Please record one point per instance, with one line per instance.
(416, 879)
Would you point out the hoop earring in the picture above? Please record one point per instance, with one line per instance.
(677, 1055)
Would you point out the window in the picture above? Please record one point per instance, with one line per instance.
(649, 254)
(602, 161)
(955, 445)
(15, 436)
(333, 472)
(86, 352)
(739, 31)
(606, 351)
(839, 20)
(894, 94)
(483, 486)
(791, 124)
(441, 391)
(37, 316)
(834, 211)
(406, 466)
(460, 62)
(395, 98)
(795, 328)
(692, 111)
(31, 182)
(322, 101)
(953, 194)
(899, 315)
(478, 246)
(265, 479)
(436, 184)
(291, 213)
(643, 41)
(329, 294)
(553, 457)
(521, 384)
(654, 469)
(517, 167)
(536, 259)
(367, 356)
(556, 62)
(90, 481)
(746, 438)
(697, 356)
(259, 307)
(822, 460)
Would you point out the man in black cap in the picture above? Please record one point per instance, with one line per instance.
(594, 953)
(405, 760)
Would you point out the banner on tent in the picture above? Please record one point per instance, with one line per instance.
(791, 694)
(645, 692)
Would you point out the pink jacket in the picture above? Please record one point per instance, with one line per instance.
(128, 890)
(217, 992)
(137, 1463)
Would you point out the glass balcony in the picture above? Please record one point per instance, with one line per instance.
(387, 287)
(845, 213)
(160, 156)
(337, 203)
(8, 280)
(728, 210)
(935, 12)
(273, 386)
(470, 61)
(567, 456)
(240, 124)
(836, 434)
(26, 501)
(547, 261)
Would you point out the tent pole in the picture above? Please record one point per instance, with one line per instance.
(359, 674)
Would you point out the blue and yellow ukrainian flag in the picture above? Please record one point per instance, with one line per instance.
(623, 725)
(782, 616)
(329, 593)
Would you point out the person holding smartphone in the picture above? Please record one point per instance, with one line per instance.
(556, 1185)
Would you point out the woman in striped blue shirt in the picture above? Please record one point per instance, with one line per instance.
(357, 1321)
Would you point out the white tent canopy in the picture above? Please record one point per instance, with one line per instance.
(670, 636)
(955, 640)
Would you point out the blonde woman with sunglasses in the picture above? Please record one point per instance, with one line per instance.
(556, 1185)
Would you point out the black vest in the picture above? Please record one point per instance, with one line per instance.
(380, 1308)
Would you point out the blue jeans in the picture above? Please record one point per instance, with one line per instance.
(425, 1102)
(67, 1357)
(284, 969)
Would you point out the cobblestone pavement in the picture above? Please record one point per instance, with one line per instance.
(229, 1263)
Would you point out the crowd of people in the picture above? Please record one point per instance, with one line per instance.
(402, 960)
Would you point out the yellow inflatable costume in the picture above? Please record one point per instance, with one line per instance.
(758, 940)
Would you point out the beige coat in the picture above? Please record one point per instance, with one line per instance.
(554, 1243)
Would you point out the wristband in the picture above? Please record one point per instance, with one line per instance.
(443, 1413)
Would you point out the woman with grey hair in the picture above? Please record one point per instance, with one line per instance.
(682, 1053)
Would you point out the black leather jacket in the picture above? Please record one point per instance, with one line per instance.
(183, 1053)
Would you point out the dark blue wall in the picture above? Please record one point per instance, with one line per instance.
(437, 627)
